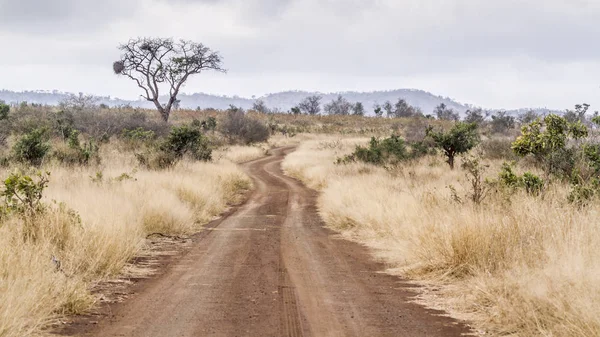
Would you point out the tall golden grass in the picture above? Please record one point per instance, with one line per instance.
(515, 265)
(102, 223)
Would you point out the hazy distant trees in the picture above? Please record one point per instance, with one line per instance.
(388, 108)
(476, 115)
(502, 122)
(338, 106)
(152, 62)
(260, 106)
(443, 112)
(358, 109)
(79, 102)
(311, 105)
(577, 115)
(378, 110)
(527, 117)
(403, 109)
(400, 109)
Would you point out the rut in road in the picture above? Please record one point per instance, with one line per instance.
(271, 269)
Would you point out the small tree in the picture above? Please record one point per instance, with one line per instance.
(339, 106)
(577, 115)
(527, 117)
(32, 147)
(403, 109)
(152, 62)
(389, 109)
(378, 110)
(260, 106)
(311, 105)
(476, 116)
(461, 138)
(358, 109)
(502, 122)
(296, 110)
(445, 113)
(547, 140)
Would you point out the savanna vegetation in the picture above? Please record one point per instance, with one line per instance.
(506, 240)
(85, 189)
(496, 214)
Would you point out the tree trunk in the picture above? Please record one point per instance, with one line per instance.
(164, 113)
(451, 160)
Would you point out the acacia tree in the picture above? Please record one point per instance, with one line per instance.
(338, 106)
(461, 138)
(311, 105)
(156, 62)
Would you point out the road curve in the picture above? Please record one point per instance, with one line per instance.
(271, 269)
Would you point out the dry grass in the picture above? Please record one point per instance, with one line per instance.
(518, 265)
(116, 213)
(241, 154)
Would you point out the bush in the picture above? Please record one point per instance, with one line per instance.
(182, 141)
(238, 127)
(391, 150)
(461, 138)
(4, 110)
(32, 147)
(187, 140)
(22, 194)
(76, 154)
(532, 184)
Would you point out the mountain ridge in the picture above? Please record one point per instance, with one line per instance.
(279, 101)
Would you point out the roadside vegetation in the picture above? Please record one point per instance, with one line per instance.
(506, 240)
(497, 214)
(85, 189)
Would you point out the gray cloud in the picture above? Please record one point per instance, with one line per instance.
(61, 16)
(333, 39)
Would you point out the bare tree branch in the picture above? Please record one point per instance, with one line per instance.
(150, 62)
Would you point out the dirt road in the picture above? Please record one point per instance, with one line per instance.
(271, 269)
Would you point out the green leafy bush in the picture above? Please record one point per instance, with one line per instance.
(4, 110)
(392, 150)
(77, 154)
(32, 147)
(507, 178)
(23, 194)
(461, 138)
(185, 140)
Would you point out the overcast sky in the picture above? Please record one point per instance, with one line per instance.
(492, 53)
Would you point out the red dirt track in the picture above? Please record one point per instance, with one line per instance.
(270, 268)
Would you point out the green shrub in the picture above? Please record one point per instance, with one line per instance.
(32, 147)
(392, 150)
(76, 154)
(188, 140)
(138, 134)
(583, 193)
(22, 194)
(532, 183)
(507, 178)
(4, 110)
(461, 138)
(185, 140)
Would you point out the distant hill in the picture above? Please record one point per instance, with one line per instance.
(281, 101)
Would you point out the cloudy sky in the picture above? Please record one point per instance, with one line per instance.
(492, 53)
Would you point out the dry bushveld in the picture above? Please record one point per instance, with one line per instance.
(514, 264)
(94, 223)
(512, 248)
